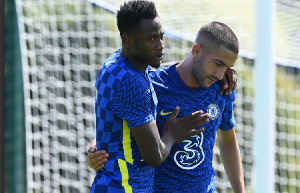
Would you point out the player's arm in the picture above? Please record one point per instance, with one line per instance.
(136, 109)
(229, 81)
(230, 155)
(169, 63)
(166, 64)
(155, 149)
(96, 159)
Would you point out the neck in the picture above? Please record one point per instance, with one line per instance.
(185, 72)
(131, 59)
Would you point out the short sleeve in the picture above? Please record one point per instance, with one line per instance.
(229, 121)
(132, 100)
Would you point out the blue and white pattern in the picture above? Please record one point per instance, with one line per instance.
(188, 168)
(125, 99)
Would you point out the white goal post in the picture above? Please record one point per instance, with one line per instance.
(265, 97)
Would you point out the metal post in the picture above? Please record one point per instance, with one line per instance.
(15, 162)
(2, 103)
(265, 97)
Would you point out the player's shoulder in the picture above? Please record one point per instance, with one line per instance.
(115, 66)
(217, 87)
(118, 67)
(161, 72)
(115, 70)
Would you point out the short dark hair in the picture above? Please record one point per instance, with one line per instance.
(132, 12)
(219, 34)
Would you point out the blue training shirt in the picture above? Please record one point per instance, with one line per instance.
(125, 99)
(188, 168)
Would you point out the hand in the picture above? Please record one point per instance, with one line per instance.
(229, 82)
(96, 159)
(177, 130)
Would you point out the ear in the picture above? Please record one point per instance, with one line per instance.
(197, 50)
(127, 40)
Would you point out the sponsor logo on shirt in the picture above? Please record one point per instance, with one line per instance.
(193, 155)
(164, 113)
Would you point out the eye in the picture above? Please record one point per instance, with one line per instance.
(219, 64)
(151, 39)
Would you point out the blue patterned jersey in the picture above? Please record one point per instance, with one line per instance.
(188, 168)
(125, 99)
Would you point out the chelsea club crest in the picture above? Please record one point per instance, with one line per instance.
(213, 110)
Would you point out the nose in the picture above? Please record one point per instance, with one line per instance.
(220, 73)
(161, 44)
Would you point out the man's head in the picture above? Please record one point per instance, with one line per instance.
(216, 49)
(141, 32)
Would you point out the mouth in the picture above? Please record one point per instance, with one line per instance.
(159, 56)
(211, 80)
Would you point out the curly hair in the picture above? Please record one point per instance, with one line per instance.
(132, 12)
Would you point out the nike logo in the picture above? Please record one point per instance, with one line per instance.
(164, 113)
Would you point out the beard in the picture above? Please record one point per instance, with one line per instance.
(199, 72)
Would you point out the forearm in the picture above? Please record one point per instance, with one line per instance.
(166, 147)
(158, 157)
(154, 150)
(93, 143)
(230, 155)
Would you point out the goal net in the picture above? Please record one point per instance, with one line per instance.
(64, 44)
